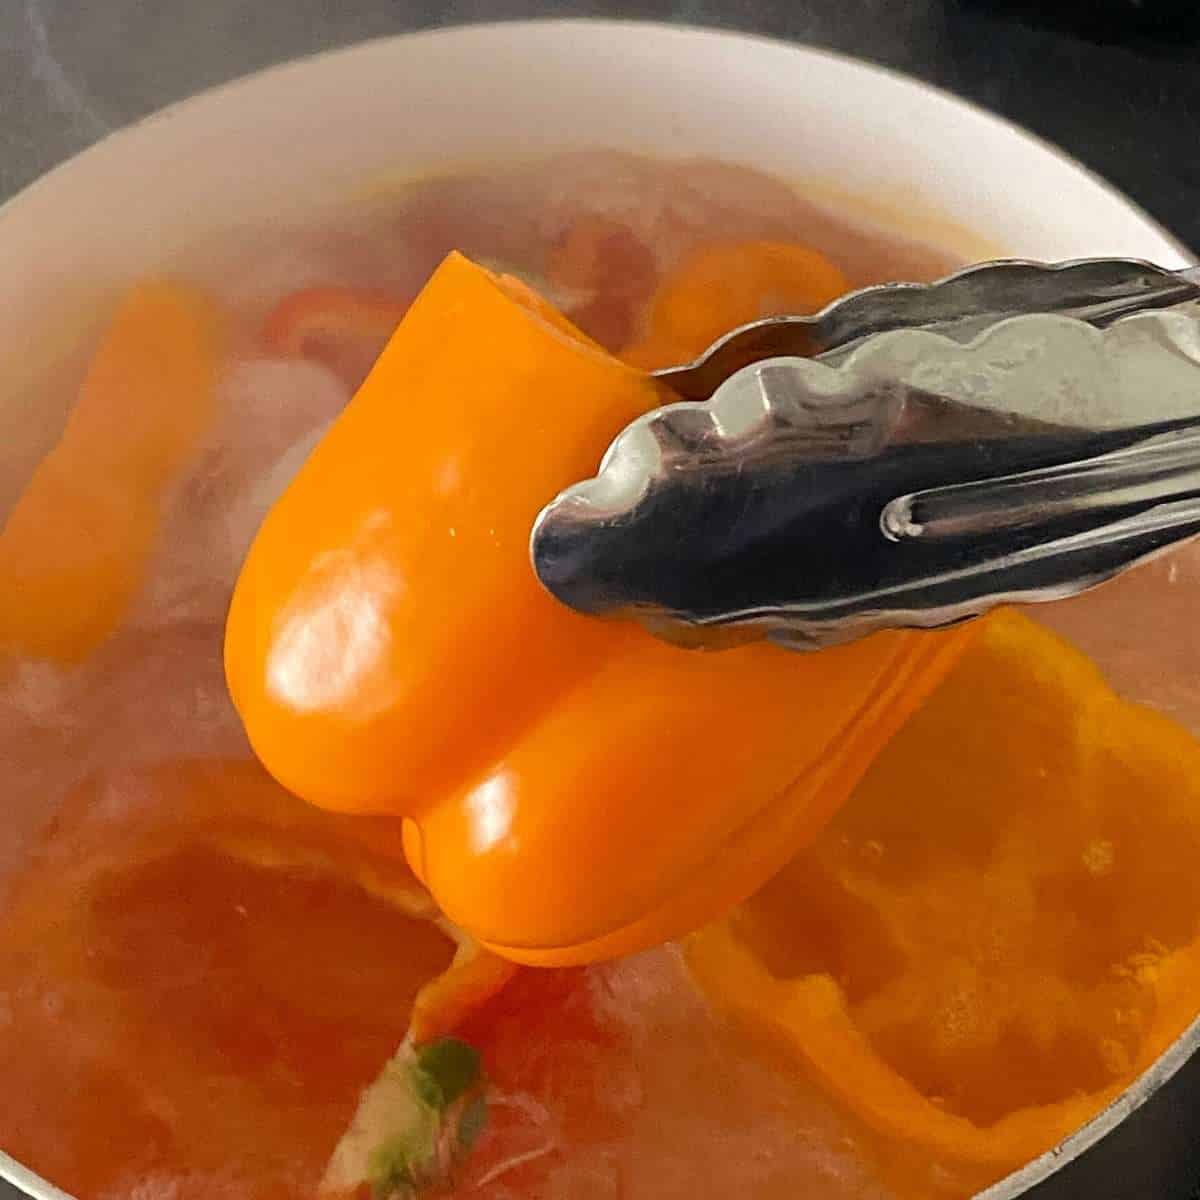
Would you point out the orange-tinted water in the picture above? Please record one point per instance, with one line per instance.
(184, 1012)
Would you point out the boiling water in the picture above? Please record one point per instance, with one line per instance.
(613, 1082)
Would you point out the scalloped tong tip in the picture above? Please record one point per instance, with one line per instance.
(911, 456)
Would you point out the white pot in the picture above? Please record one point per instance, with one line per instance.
(274, 144)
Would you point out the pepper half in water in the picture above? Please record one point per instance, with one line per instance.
(997, 934)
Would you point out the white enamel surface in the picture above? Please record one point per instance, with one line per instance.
(273, 144)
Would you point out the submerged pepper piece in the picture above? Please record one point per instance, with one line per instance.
(207, 973)
(572, 788)
(343, 328)
(613, 272)
(720, 286)
(997, 932)
(73, 550)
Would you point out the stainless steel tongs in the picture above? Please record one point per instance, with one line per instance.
(911, 456)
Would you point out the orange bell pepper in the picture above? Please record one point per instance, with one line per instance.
(572, 788)
(996, 933)
(720, 286)
(73, 551)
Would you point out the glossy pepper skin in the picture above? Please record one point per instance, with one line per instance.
(571, 789)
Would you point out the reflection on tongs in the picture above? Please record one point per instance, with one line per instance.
(910, 457)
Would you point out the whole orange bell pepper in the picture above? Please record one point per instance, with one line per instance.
(571, 789)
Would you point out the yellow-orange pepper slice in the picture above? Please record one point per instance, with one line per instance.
(73, 550)
(996, 934)
(573, 789)
(720, 286)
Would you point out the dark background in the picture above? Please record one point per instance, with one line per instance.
(1115, 82)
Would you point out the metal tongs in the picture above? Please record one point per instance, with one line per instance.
(912, 456)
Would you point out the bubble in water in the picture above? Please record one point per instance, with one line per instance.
(617, 1081)
(273, 413)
